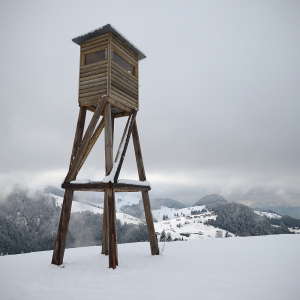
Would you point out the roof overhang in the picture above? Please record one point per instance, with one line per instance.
(108, 28)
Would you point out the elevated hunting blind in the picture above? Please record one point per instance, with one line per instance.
(108, 66)
(108, 86)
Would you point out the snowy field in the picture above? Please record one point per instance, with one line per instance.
(268, 215)
(264, 267)
(170, 212)
(79, 207)
(190, 227)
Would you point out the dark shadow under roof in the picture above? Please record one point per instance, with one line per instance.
(108, 28)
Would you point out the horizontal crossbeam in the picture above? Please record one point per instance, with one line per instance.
(99, 186)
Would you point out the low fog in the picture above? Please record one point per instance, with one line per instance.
(219, 96)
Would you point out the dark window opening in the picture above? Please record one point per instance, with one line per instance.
(123, 63)
(95, 57)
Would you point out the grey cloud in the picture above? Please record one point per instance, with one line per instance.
(219, 94)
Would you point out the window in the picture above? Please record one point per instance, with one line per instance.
(123, 63)
(95, 57)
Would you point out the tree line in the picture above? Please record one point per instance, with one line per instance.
(29, 224)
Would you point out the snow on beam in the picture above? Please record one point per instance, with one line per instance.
(123, 185)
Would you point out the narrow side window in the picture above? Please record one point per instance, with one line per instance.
(95, 57)
(123, 63)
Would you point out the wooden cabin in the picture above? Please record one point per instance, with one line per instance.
(109, 65)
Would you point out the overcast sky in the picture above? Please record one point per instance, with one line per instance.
(219, 95)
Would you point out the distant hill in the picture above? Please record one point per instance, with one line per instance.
(287, 221)
(265, 210)
(30, 224)
(211, 201)
(241, 219)
(159, 202)
(290, 211)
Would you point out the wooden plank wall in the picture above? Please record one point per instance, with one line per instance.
(124, 86)
(123, 91)
(93, 77)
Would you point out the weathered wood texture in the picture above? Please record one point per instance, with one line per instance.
(145, 195)
(111, 211)
(99, 186)
(91, 143)
(85, 141)
(112, 248)
(78, 133)
(108, 139)
(105, 227)
(126, 137)
(107, 77)
(93, 77)
(61, 238)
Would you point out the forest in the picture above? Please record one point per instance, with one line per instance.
(29, 223)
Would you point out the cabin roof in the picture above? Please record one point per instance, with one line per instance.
(108, 28)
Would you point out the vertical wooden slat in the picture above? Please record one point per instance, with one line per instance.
(145, 195)
(109, 59)
(61, 238)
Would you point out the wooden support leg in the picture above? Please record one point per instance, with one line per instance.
(112, 232)
(60, 243)
(105, 226)
(113, 258)
(145, 195)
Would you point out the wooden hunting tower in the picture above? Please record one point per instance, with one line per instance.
(108, 86)
(108, 66)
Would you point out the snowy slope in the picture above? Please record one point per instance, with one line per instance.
(191, 227)
(248, 268)
(159, 213)
(123, 200)
(79, 207)
(268, 215)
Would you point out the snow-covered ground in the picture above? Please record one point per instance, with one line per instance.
(79, 207)
(170, 212)
(248, 268)
(191, 227)
(268, 215)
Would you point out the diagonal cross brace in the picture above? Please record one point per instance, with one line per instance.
(85, 141)
(126, 138)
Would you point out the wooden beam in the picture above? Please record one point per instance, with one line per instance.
(91, 144)
(91, 186)
(113, 257)
(145, 195)
(105, 232)
(85, 141)
(90, 108)
(108, 139)
(99, 186)
(126, 141)
(61, 238)
(111, 210)
(124, 132)
(121, 187)
(120, 115)
(78, 133)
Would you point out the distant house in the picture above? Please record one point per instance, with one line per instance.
(185, 234)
